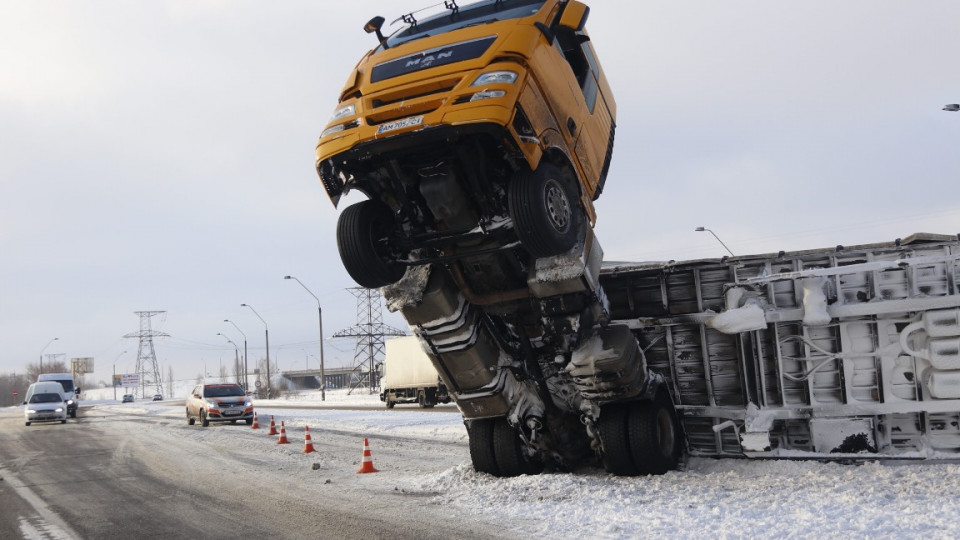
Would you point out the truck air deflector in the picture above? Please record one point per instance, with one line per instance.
(441, 56)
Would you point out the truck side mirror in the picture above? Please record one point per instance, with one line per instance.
(575, 15)
(374, 25)
(77, 392)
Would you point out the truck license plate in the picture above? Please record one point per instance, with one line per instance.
(400, 124)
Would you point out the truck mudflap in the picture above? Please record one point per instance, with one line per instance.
(840, 353)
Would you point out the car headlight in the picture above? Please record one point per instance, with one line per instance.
(343, 112)
(213, 405)
(495, 77)
(248, 403)
(59, 409)
(32, 411)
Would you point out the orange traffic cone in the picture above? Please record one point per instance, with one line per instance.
(256, 425)
(367, 465)
(283, 435)
(273, 427)
(307, 441)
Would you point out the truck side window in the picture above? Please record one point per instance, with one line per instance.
(575, 47)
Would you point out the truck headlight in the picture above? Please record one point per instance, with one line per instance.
(487, 94)
(495, 77)
(343, 112)
(339, 127)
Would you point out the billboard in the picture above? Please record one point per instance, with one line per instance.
(82, 365)
(127, 379)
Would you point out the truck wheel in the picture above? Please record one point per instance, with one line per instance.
(390, 404)
(73, 413)
(480, 433)
(249, 421)
(545, 210)
(190, 420)
(64, 421)
(617, 458)
(421, 399)
(204, 421)
(361, 230)
(654, 433)
(508, 450)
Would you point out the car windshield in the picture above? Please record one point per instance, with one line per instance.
(222, 391)
(469, 15)
(45, 398)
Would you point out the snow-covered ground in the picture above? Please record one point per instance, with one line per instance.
(713, 498)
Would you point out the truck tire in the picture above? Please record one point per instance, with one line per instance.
(480, 433)
(360, 231)
(508, 450)
(545, 210)
(654, 434)
(617, 457)
(390, 404)
(426, 402)
(73, 413)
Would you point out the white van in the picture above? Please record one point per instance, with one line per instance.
(70, 389)
(45, 402)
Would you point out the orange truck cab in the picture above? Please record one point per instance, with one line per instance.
(480, 134)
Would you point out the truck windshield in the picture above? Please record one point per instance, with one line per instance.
(474, 14)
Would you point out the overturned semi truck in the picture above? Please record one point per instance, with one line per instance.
(848, 352)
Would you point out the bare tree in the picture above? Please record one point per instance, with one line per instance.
(33, 370)
(10, 384)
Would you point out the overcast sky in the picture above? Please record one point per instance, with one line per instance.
(159, 155)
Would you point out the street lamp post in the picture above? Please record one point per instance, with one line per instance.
(246, 368)
(236, 359)
(43, 349)
(701, 229)
(323, 380)
(266, 333)
(113, 383)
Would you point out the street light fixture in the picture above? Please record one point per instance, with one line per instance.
(323, 380)
(266, 333)
(701, 229)
(43, 349)
(246, 368)
(236, 361)
(952, 107)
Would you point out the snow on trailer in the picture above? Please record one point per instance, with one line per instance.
(833, 353)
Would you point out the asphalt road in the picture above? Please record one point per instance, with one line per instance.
(109, 475)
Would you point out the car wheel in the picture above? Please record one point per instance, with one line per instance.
(234, 422)
(361, 233)
(545, 210)
(204, 421)
(28, 424)
(64, 421)
(190, 420)
(249, 421)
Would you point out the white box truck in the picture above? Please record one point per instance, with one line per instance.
(409, 375)
(70, 390)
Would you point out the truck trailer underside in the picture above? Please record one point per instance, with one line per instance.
(830, 354)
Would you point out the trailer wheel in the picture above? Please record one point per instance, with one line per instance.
(545, 210)
(361, 229)
(508, 450)
(617, 457)
(654, 433)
